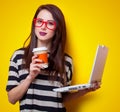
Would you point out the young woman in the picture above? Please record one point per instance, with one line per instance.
(29, 82)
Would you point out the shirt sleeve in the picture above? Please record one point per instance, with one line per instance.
(13, 77)
(69, 69)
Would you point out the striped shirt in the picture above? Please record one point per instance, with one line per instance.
(40, 96)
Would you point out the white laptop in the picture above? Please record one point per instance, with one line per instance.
(96, 74)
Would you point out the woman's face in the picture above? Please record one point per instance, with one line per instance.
(44, 26)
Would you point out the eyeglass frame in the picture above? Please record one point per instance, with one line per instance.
(45, 22)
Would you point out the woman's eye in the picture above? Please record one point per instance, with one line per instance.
(51, 23)
(39, 21)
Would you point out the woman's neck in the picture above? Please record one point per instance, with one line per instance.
(44, 44)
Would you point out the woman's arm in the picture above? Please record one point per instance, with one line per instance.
(18, 92)
(73, 95)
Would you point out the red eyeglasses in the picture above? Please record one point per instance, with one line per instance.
(50, 24)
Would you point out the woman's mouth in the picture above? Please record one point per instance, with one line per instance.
(42, 33)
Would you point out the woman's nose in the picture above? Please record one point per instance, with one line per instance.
(44, 26)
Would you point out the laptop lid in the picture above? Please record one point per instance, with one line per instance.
(99, 63)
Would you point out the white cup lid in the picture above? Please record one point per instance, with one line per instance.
(39, 49)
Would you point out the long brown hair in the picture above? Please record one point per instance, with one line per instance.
(56, 58)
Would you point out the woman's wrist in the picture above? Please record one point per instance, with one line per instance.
(29, 78)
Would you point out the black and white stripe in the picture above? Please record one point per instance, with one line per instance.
(39, 97)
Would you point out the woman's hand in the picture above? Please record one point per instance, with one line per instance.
(35, 67)
(74, 95)
(94, 87)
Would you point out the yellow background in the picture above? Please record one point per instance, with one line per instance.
(89, 23)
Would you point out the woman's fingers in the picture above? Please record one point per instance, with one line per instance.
(36, 60)
(95, 85)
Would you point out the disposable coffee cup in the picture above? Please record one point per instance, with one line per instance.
(42, 55)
